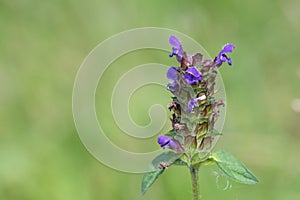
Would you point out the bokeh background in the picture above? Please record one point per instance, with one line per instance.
(43, 43)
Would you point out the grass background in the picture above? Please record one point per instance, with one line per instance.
(42, 44)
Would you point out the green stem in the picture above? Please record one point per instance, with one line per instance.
(195, 182)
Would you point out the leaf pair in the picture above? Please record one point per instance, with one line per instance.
(227, 163)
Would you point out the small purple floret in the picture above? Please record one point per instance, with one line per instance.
(166, 141)
(172, 73)
(192, 75)
(191, 105)
(177, 48)
(194, 103)
(222, 57)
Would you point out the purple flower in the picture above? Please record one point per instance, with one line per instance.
(177, 48)
(194, 103)
(166, 141)
(222, 57)
(172, 73)
(192, 75)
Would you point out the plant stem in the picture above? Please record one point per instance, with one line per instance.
(195, 182)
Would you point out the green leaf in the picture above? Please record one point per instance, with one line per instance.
(149, 178)
(171, 133)
(167, 157)
(233, 168)
(153, 172)
(179, 162)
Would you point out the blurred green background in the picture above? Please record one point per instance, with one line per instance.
(43, 43)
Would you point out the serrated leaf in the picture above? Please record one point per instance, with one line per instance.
(233, 168)
(149, 178)
(153, 172)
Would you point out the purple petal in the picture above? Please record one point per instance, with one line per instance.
(173, 86)
(166, 141)
(193, 71)
(173, 145)
(222, 57)
(172, 73)
(177, 48)
(175, 42)
(227, 48)
(217, 61)
(163, 140)
(194, 103)
(192, 75)
(229, 61)
(190, 79)
(175, 51)
(191, 104)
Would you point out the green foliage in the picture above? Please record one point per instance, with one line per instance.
(157, 167)
(149, 178)
(233, 168)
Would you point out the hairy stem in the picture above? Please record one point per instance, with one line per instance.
(195, 182)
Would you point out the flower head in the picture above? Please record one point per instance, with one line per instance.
(166, 141)
(177, 48)
(222, 57)
(192, 75)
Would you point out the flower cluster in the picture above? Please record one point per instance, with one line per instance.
(195, 109)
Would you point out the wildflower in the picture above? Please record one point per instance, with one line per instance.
(222, 57)
(166, 141)
(194, 135)
(194, 103)
(192, 75)
(177, 48)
